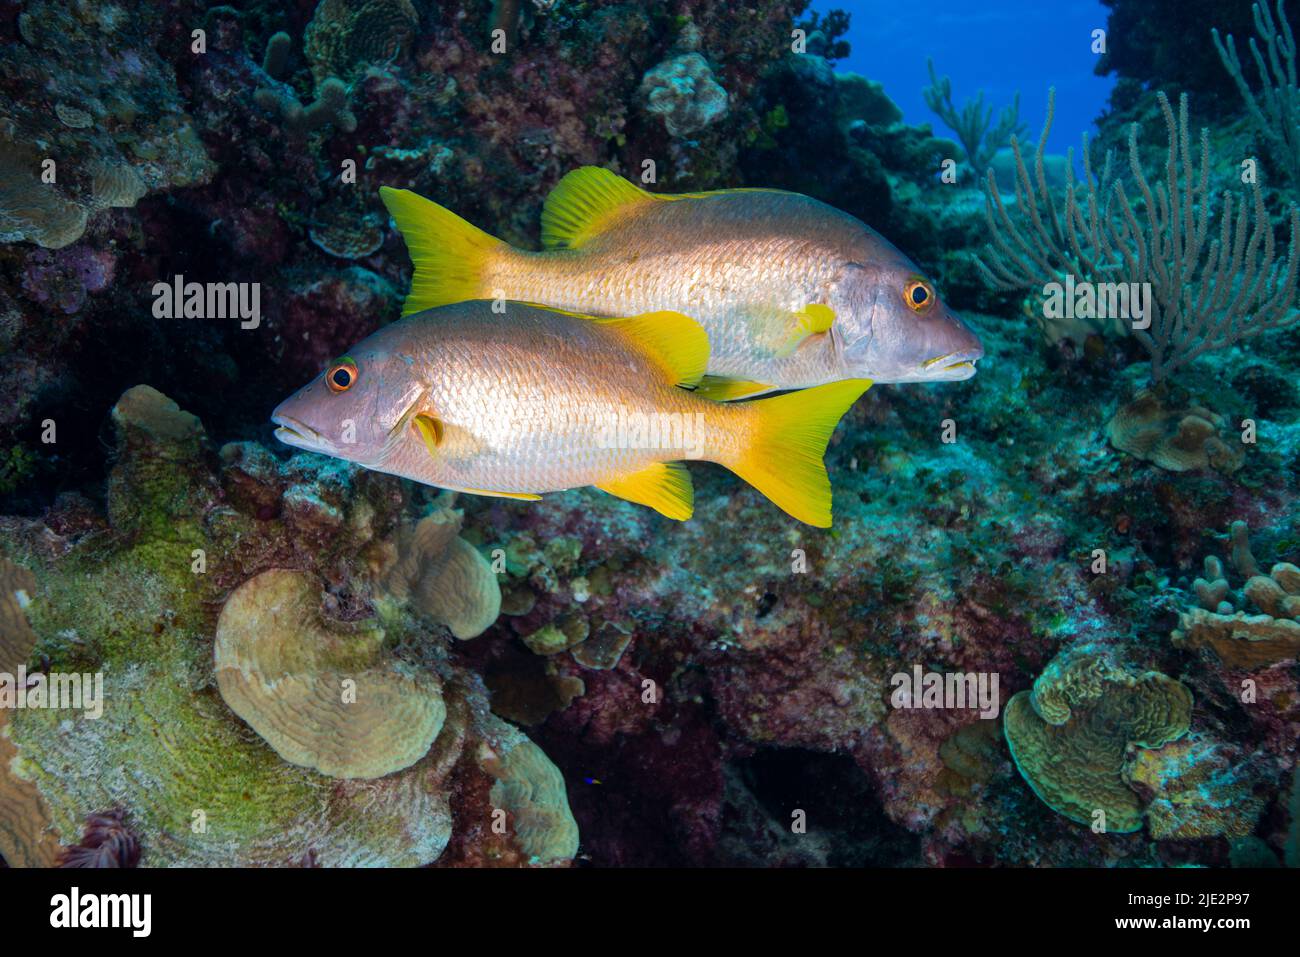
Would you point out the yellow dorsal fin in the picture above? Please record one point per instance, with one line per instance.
(675, 342)
(584, 203)
(664, 486)
(721, 389)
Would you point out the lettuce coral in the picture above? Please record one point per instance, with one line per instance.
(1070, 735)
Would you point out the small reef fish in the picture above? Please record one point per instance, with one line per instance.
(536, 400)
(792, 292)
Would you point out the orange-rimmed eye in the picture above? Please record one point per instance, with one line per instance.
(918, 294)
(341, 375)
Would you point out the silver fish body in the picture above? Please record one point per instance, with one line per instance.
(749, 265)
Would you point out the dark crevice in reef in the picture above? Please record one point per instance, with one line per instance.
(844, 819)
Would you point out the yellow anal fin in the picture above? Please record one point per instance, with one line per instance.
(585, 203)
(664, 486)
(521, 496)
(721, 389)
(676, 343)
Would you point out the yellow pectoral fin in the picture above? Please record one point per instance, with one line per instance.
(783, 332)
(430, 431)
(521, 496)
(721, 389)
(664, 486)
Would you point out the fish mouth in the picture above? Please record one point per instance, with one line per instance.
(300, 435)
(952, 366)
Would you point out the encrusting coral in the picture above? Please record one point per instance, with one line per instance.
(683, 92)
(25, 840)
(1199, 788)
(1070, 735)
(134, 597)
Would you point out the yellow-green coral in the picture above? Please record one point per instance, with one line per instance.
(530, 789)
(323, 694)
(1070, 735)
(1199, 788)
(199, 786)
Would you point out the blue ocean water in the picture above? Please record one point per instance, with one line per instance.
(1025, 46)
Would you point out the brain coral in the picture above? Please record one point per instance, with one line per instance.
(345, 36)
(1070, 735)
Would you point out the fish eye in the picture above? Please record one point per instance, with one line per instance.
(918, 294)
(341, 375)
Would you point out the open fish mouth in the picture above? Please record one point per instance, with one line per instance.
(953, 366)
(300, 435)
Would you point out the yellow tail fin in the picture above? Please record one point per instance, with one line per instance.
(448, 253)
(787, 441)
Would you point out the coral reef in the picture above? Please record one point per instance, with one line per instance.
(61, 166)
(1071, 735)
(192, 599)
(1239, 639)
(683, 690)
